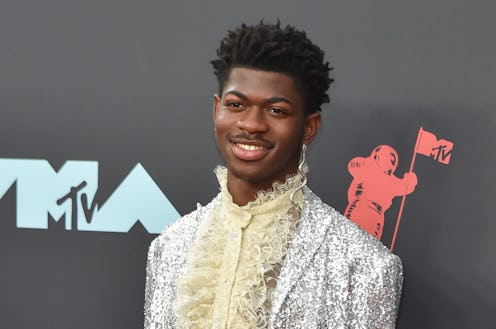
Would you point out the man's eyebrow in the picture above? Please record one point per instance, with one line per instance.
(279, 99)
(272, 100)
(236, 93)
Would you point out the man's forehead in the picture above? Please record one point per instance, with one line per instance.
(260, 82)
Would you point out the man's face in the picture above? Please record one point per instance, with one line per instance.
(260, 126)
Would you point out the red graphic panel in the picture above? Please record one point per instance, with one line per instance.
(374, 186)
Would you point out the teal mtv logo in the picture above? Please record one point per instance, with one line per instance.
(69, 193)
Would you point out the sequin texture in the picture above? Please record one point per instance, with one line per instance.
(334, 275)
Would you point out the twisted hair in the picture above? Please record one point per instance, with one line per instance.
(269, 47)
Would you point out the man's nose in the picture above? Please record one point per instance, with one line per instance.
(253, 120)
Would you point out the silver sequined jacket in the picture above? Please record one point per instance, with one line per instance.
(334, 276)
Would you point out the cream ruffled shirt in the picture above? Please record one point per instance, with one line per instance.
(233, 266)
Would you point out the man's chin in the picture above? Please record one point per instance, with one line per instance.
(255, 176)
(249, 174)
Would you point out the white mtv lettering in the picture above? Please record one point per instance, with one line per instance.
(69, 194)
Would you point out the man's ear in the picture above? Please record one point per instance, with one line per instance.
(312, 125)
(216, 106)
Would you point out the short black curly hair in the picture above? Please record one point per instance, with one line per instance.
(270, 47)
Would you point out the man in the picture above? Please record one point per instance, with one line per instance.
(267, 252)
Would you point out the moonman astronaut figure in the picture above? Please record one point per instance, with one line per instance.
(266, 252)
(374, 186)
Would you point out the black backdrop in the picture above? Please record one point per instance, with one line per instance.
(126, 82)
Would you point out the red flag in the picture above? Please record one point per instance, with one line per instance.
(428, 145)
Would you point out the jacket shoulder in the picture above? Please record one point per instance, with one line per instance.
(180, 232)
(354, 242)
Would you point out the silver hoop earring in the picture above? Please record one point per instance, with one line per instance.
(302, 169)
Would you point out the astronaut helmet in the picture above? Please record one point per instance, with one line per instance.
(386, 158)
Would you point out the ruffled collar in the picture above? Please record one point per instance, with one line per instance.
(277, 196)
(267, 225)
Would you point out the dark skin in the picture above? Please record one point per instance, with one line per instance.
(260, 127)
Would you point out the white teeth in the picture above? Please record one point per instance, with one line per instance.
(249, 147)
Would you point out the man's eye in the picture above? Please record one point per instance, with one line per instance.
(234, 104)
(276, 110)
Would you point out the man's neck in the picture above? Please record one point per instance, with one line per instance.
(242, 191)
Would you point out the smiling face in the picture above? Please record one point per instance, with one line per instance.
(260, 126)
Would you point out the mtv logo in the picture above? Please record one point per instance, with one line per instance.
(69, 194)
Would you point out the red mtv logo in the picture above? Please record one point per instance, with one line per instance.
(429, 145)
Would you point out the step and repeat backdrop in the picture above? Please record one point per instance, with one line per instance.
(106, 137)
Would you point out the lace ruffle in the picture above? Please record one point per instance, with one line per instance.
(264, 245)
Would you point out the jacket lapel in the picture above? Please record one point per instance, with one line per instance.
(313, 228)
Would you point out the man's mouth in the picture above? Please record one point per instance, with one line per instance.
(247, 147)
(249, 151)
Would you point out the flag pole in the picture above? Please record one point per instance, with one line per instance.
(403, 199)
